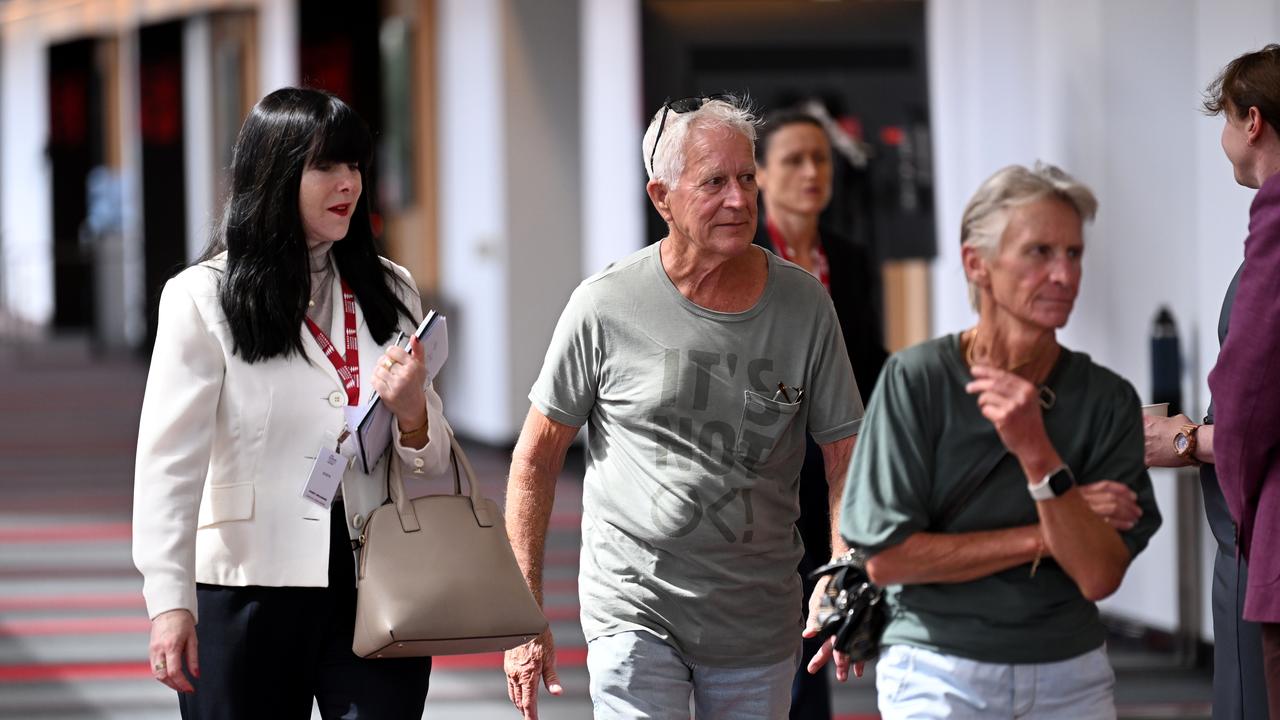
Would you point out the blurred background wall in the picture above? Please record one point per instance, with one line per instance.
(509, 166)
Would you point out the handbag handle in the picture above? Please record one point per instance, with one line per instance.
(460, 461)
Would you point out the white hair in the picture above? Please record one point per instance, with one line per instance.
(987, 215)
(732, 113)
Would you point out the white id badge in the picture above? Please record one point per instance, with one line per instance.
(326, 474)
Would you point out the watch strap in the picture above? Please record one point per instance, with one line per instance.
(1043, 490)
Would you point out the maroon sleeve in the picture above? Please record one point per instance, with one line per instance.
(1246, 380)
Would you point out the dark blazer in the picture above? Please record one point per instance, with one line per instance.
(853, 285)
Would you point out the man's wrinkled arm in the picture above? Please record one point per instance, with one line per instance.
(835, 459)
(531, 491)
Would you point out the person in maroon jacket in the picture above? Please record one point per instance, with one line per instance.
(1246, 380)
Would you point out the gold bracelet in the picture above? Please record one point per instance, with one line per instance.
(413, 434)
(1035, 564)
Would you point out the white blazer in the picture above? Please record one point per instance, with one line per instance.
(225, 447)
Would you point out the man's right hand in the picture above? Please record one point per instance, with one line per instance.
(525, 666)
(173, 643)
(1157, 437)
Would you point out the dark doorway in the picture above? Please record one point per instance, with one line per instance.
(864, 61)
(163, 167)
(75, 146)
(339, 44)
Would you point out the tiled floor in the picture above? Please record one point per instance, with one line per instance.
(73, 629)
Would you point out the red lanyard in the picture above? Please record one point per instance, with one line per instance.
(821, 268)
(348, 371)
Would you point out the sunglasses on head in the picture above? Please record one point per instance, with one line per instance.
(680, 107)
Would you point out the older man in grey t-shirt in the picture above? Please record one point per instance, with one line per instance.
(699, 363)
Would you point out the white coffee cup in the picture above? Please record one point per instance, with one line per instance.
(1156, 410)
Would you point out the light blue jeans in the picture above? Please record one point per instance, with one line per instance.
(636, 675)
(915, 683)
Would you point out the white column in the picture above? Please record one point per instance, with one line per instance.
(197, 113)
(133, 254)
(613, 177)
(277, 45)
(26, 236)
(473, 215)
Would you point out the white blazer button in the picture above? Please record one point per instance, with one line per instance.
(358, 521)
(337, 399)
(418, 462)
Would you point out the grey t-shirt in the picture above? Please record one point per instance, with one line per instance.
(690, 497)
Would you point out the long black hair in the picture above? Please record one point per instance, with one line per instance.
(266, 285)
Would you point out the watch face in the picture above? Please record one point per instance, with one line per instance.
(1180, 442)
(1061, 481)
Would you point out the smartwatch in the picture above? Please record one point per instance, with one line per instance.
(1055, 484)
(1184, 443)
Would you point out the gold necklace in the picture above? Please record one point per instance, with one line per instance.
(318, 286)
(1047, 397)
(970, 354)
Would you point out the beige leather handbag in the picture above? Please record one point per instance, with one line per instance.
(437, 576)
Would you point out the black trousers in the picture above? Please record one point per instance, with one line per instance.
(265, 652)
(811, 694)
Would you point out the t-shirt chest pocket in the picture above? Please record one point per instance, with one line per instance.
(764, 422)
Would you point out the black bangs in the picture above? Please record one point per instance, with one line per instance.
(266, 284)
(341, 137)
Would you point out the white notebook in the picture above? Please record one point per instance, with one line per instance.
(371, 422)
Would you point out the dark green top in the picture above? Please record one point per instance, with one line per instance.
(922, 436)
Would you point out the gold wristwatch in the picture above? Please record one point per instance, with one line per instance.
(1184, 443)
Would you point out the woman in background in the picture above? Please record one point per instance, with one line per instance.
(794, 169)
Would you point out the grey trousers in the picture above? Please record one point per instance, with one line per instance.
(1239, 682)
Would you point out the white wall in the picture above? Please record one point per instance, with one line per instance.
(277, 44)
(1109, 90)
(473, 203)
(512, 204)
(544, 208)
(199, 165)
(612, 125)
(26, 235)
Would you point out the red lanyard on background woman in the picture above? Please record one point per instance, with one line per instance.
(348, 371)
(821, 268)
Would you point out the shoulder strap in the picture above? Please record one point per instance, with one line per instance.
(976, 479)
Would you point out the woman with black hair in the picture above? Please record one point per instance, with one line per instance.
(289, 318)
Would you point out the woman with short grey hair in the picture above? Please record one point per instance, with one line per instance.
(987, 214)
(998, 487)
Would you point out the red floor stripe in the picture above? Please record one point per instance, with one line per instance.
(74, 671)
(565, 657)
(75, 626)
(141, 624)
(19, 603)
(68, 532)
(69, 572)
(566, 521)
(566, 586)
(567, 612)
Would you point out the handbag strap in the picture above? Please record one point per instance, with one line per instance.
(461, 466)
(976, 479)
